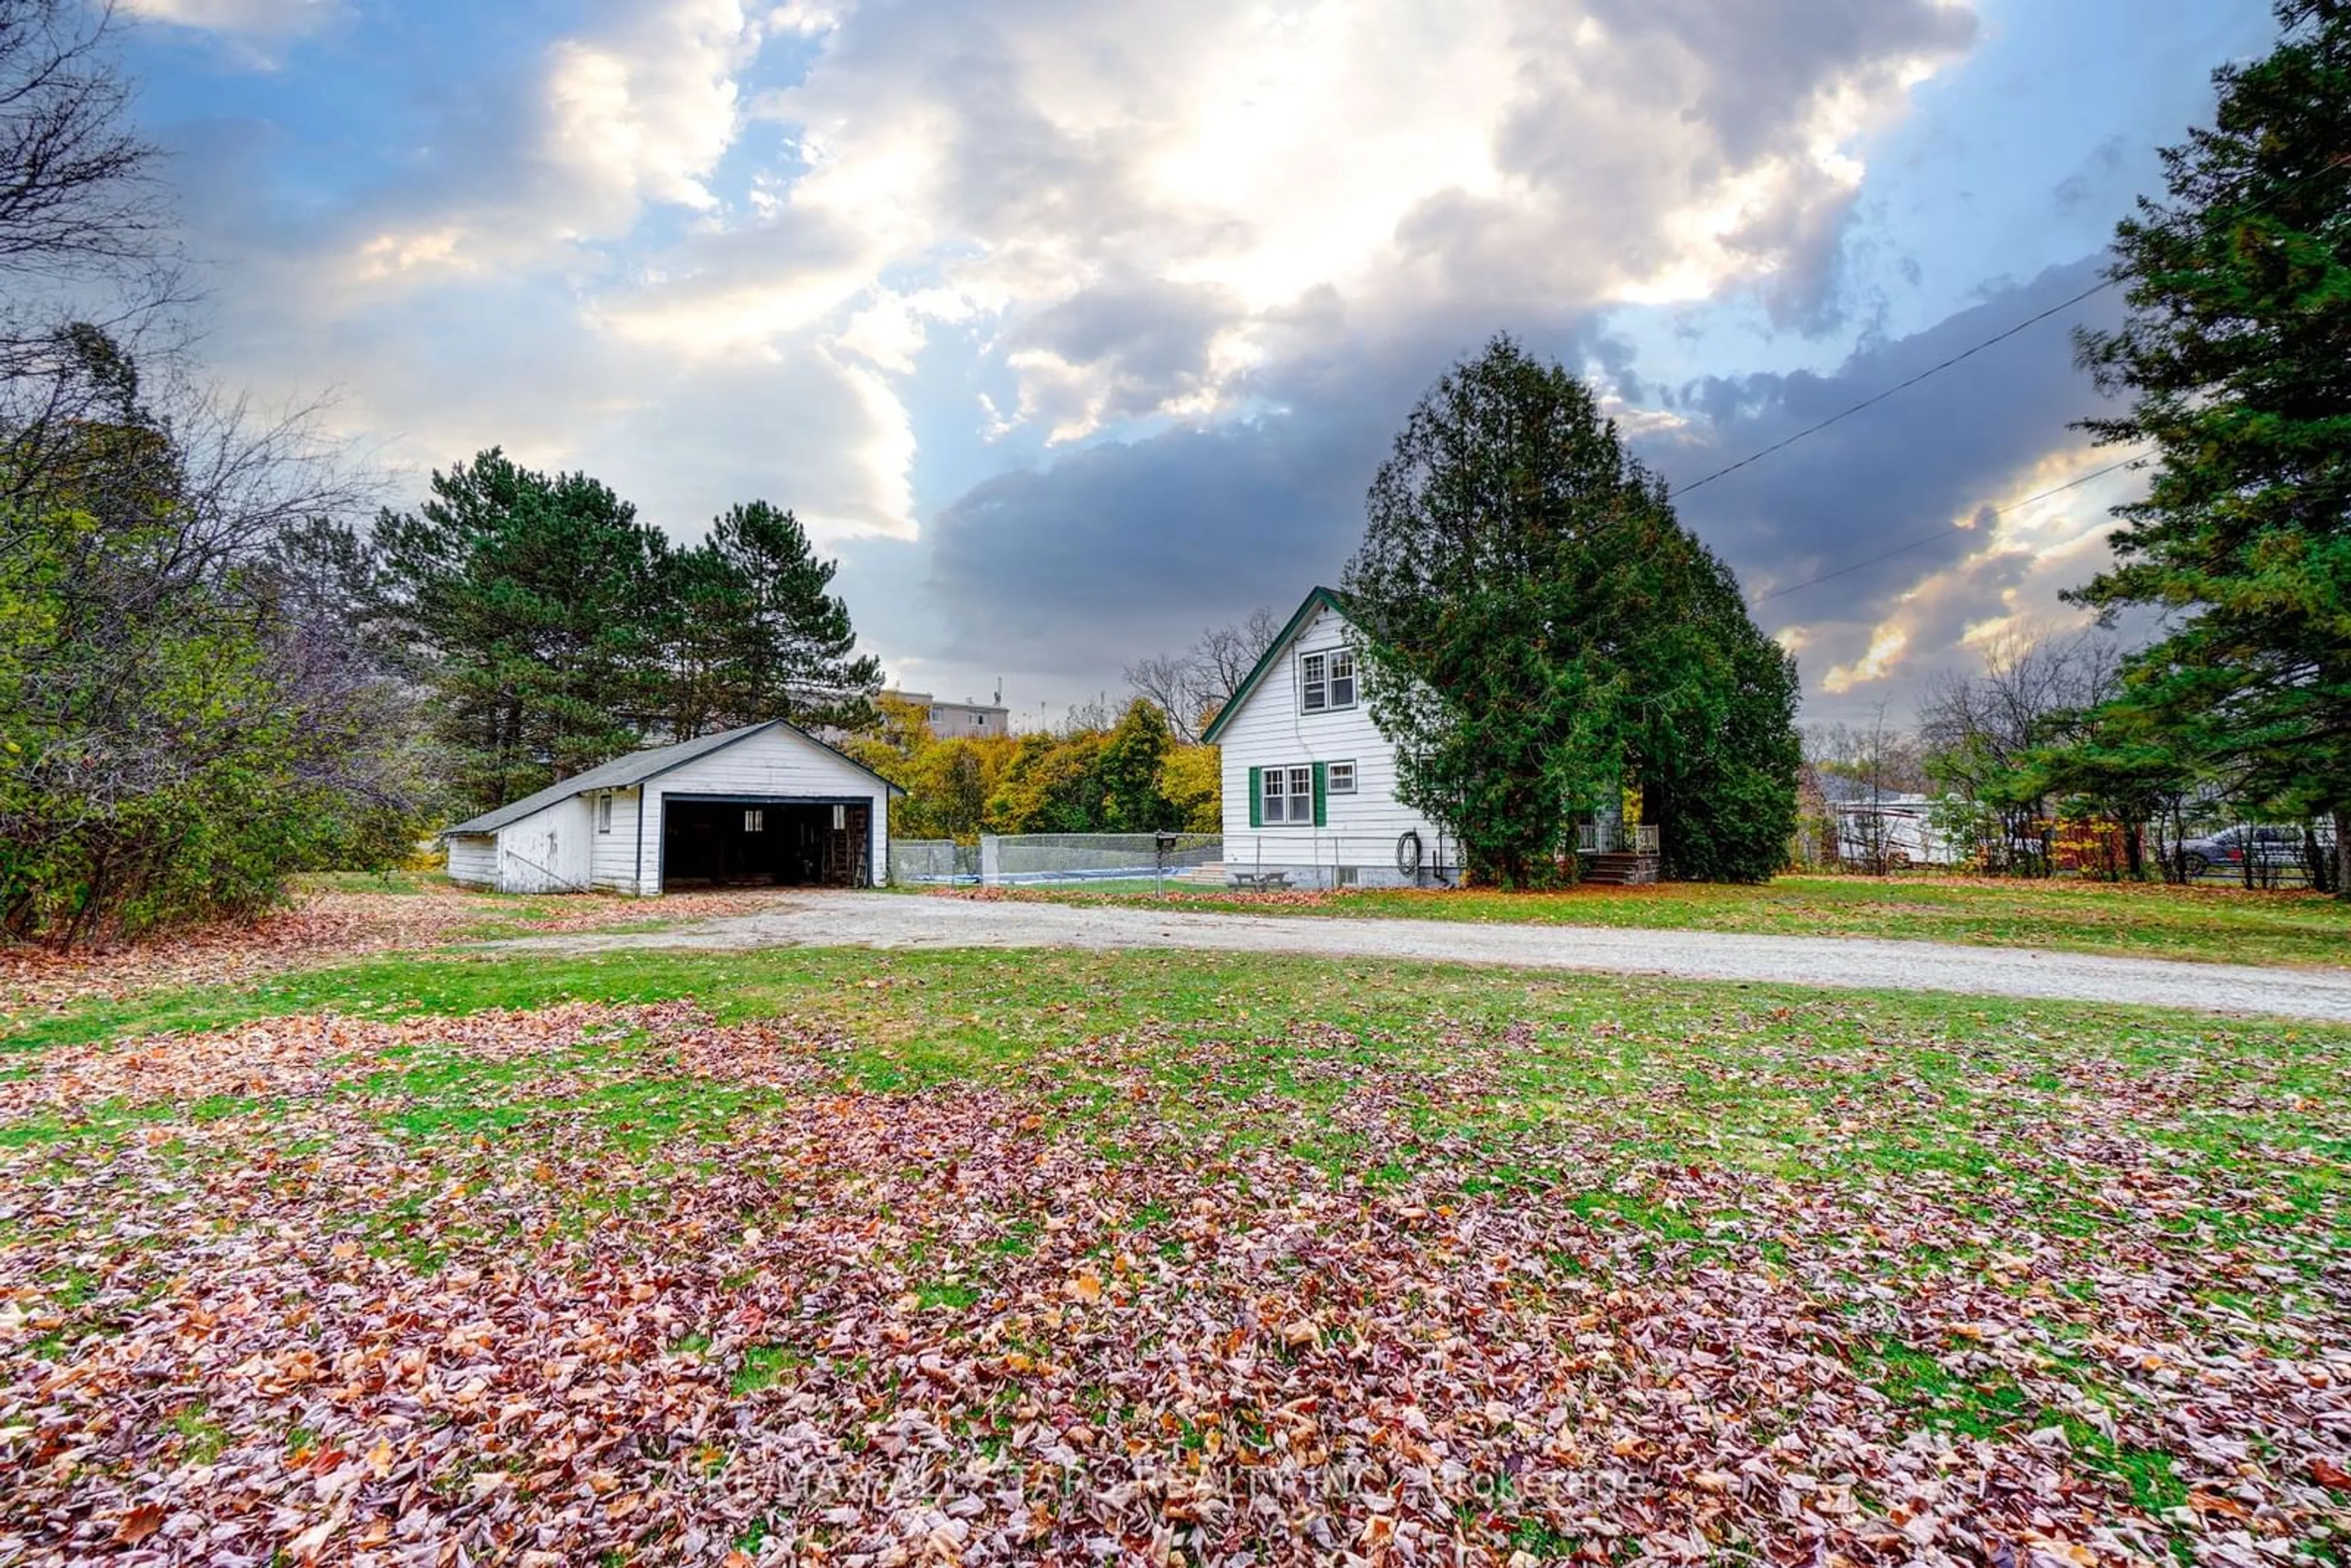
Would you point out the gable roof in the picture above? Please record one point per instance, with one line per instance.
(640, 767)
(1317, 598)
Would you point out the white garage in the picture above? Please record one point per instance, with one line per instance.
(764, 805)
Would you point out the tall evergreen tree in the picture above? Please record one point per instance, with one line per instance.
(1539, 632)
(2237, 357)
(1712, 741)
(532, 603)
(758, 632)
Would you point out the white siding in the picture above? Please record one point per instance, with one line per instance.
(613, 862)
(548, 851)
(1270, 730)
(474, 860)
(776, 762)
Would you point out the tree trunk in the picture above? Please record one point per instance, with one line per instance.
(2342, 852)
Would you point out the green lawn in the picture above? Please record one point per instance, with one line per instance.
(645, 1257)
(2216, 924)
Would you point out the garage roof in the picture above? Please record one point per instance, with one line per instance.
(638, 766)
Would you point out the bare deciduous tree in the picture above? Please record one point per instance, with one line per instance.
(1191, 687)
(89, 275)
(76, 192)
(1861, 768)
(1979, 731)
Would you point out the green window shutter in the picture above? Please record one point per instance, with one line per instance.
(1256, 797)
(1321, 795)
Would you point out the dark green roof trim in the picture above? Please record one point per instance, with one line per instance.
(1316, 598)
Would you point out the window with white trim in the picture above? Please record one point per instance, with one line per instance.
(1339, 778)
(1342, 679)
(604, 812)
(1286, 795)
(1326, 682)
(755, 819)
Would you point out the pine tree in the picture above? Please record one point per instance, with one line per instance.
(758, 634)
(531, 603)
(2237, 357)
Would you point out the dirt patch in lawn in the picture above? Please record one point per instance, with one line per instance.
(625, 1284)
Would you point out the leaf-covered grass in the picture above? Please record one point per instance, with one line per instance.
(640, 1257)
(2218, 925)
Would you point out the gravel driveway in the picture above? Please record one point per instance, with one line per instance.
(897, 920)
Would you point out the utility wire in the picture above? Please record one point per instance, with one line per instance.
(1925, 540)
(2333, 166)
(1874, 400)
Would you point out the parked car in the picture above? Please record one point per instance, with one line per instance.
(2232, 847)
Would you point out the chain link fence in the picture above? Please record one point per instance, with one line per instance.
(932, 863)
(1018, 859)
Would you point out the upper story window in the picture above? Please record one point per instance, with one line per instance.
(1327, 680)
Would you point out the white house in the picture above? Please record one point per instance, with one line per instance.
(1309, 781)
(765, 804)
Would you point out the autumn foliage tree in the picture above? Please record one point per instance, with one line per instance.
(189, 710)
(1086, 776)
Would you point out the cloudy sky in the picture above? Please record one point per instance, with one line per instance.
(1071, 326)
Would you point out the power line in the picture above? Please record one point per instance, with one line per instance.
(2332, 167)
(1925, 540)
(1875, 400)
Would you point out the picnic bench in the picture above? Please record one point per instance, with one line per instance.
(1262, 881)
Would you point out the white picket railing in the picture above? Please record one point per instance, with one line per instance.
(1614, 838)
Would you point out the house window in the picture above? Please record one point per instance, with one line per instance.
(755, 819)
(1350, 876)
(604, 812)
(1339, 778)
(1326, 682)
(1342, 679)
(1288, 796)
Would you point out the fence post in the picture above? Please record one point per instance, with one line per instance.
(991, 860)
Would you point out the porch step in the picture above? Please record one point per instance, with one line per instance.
(1209, 875)
(1620, 868)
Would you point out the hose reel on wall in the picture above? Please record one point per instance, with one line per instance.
(1409, 854)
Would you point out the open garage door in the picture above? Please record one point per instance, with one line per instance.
(739, 841)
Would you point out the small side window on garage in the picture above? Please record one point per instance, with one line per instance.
(604, 812)
(755, 819)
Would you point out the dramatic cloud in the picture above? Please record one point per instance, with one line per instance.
(1938, 463)
(1076, 324)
